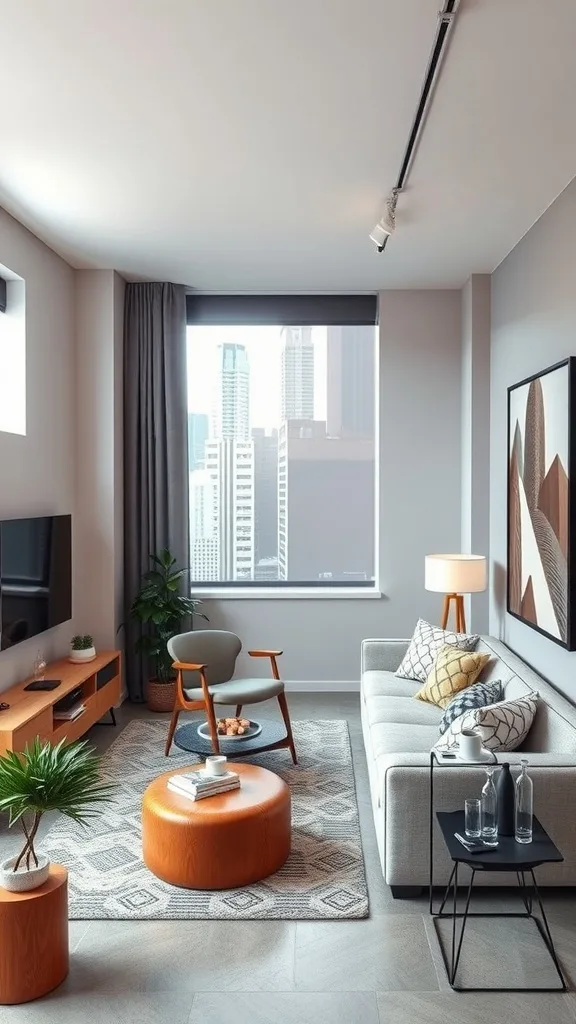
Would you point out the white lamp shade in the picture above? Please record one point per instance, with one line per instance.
(455, 574)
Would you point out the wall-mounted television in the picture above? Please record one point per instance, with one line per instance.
(35, 576)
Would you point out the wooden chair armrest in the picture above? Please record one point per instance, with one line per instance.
(265, 654)
(184, 666)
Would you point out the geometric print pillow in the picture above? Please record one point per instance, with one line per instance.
(426, 644)
(504, 726)
(476, 696)
(453, 670)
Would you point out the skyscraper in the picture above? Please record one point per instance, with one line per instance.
(265, 499)
(297, 373)
(230, 466)
(198, 424)
(204, 537)
(232, 399)
(325, 504)
(351, 375)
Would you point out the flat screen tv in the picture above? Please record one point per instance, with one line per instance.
(35, 576)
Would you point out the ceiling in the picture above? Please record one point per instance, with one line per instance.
(248, 145)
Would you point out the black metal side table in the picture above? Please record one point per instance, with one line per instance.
(518, 858)
(442, 761)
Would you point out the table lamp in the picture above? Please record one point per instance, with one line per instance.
(453, 576)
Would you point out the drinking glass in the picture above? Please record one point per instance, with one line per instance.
(472, 825)
(489, 810)
(39, 667)
(524, 799)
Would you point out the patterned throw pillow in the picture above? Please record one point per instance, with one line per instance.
(425, 646)
(476, 696)
(504, 726)
(452, 671)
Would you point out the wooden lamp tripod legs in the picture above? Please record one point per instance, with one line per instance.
(458, 601)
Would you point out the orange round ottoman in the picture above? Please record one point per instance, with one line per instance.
(220, 842)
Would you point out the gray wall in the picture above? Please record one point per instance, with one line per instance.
(475, 454)
(419, 461)
(37, 470)
(533, 326)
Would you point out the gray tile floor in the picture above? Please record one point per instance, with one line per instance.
(384, 970)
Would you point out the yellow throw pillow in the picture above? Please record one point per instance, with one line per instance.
(453, 670)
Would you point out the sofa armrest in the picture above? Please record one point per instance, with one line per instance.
(382, 655)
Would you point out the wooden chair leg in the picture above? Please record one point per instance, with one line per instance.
(238, 710)
(171, 730)
(288, 724)
(213, 727)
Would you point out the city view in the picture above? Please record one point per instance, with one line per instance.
(281, 424)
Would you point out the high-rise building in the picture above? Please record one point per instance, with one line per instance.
(204, 535)
(325, 504)
(265, 501)
(297, 373)
(232, 399)
(198, 426)
(350, 384)
(230, 465)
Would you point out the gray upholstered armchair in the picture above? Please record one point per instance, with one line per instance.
(205, 660)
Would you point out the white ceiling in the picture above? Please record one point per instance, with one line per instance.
(247, 145)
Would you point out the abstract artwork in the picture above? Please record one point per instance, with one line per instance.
(540, 507)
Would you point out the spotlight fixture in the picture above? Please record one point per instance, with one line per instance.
(444, 26)
(385, 226)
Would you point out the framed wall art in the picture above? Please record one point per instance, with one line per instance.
(542, 502)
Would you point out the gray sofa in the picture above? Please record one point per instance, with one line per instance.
(398, 734)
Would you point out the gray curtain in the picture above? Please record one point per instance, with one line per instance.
(155, 443)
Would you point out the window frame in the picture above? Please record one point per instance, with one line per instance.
(291, 310)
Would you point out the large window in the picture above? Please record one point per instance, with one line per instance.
(281, 432)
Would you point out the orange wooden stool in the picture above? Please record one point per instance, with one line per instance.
(34, 939)
(223, 841)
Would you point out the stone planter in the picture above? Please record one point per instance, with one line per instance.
(80, 657)
(24, 879)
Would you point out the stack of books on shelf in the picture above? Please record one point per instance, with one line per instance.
(68, 714)
(198, 785)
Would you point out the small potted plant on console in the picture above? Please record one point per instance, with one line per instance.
(82, 648)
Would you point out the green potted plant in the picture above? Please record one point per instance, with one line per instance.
(82, 648)
(45, 778)
(161, 610)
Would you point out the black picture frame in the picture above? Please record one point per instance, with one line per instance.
(542, 502)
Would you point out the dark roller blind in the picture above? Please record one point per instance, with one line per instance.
(297, 310)
(2, 295)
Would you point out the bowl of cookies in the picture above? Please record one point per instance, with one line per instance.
(235, 728)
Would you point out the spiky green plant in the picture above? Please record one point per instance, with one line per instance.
(162, 610)
(49, 778)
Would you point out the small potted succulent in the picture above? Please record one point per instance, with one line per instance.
(82, 648)
(45, 778)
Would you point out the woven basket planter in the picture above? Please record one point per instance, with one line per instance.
(160, 696)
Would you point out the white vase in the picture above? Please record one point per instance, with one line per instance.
(79, 657)
(24, 879)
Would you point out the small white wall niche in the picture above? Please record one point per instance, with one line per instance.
(13, 356)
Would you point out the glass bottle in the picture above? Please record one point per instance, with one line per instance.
(39, 667)
(524, 802)
(489, 810)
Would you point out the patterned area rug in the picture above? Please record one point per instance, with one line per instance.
(323, 877)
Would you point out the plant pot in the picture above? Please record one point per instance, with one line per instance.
(79, 657)
(23, 880)
(160, 696)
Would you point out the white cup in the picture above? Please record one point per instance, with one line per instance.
(215, 765)
(470, 744)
